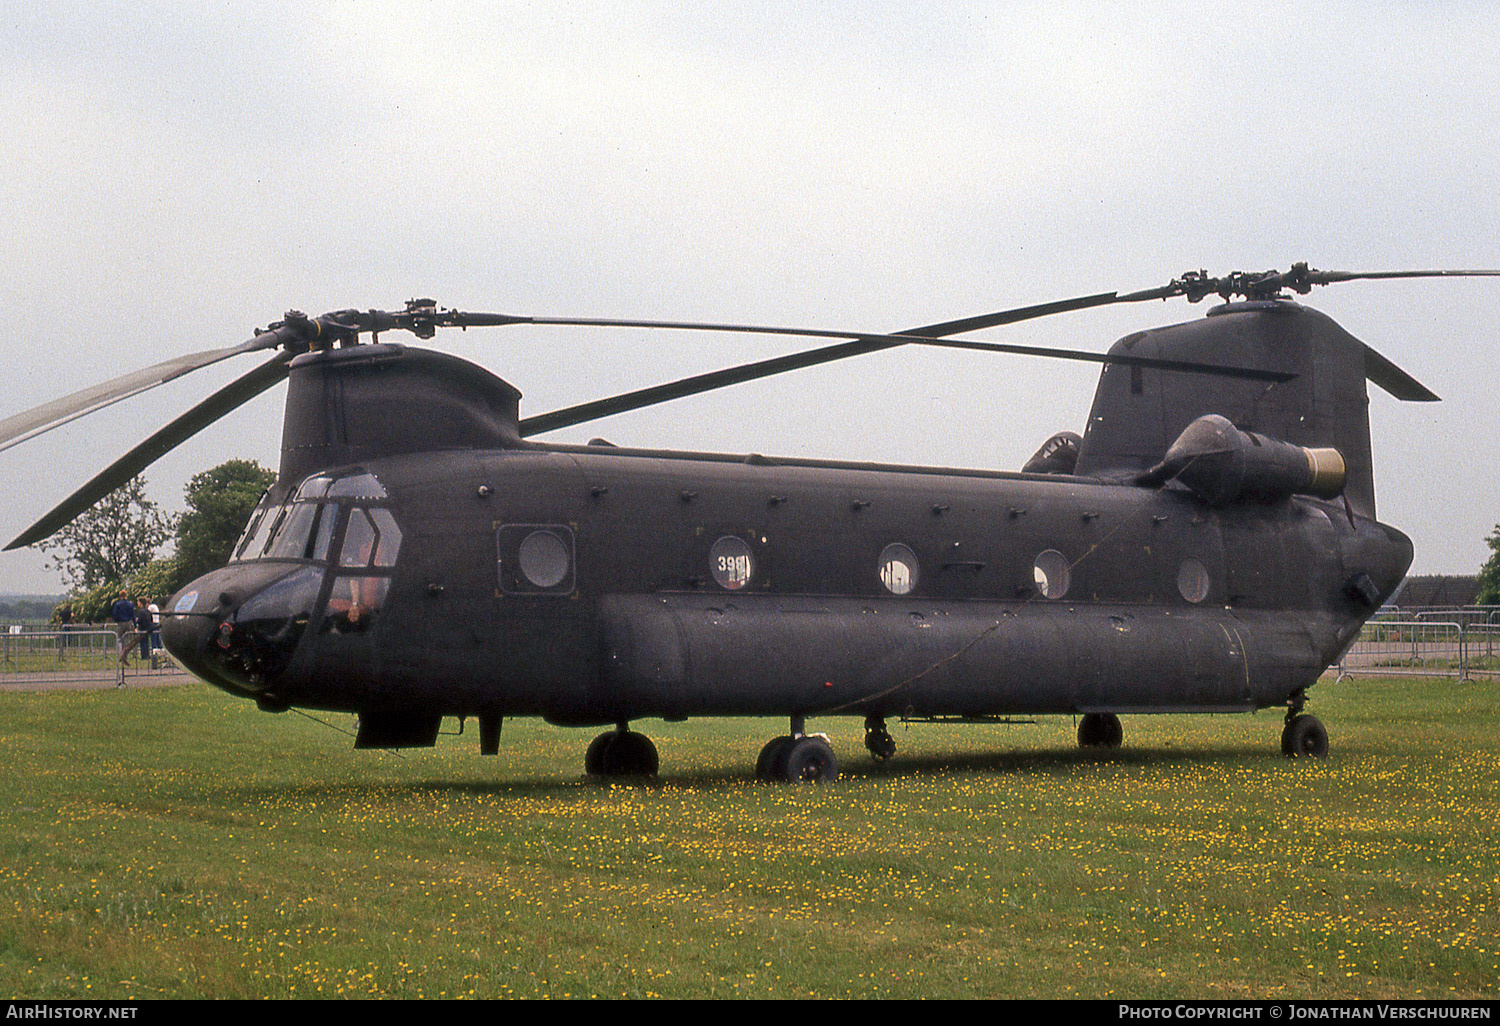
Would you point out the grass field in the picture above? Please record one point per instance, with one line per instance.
(178, 843)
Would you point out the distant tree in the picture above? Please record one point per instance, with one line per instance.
(1489, 574)
(110, 541)
(157, 579)
(93, 606)
(219, 503)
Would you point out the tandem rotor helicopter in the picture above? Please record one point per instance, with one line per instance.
(1208, 544)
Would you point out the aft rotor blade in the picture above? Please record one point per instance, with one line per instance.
(222, 402)
(1394, 380)
(860, 345)
(40, 419)
(1329, 277)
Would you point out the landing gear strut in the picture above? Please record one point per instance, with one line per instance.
(1100, 730)
(797, 758)
(621, 752)
(1303, 736)
(878, 740)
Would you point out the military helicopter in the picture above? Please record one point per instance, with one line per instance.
(1207, 545)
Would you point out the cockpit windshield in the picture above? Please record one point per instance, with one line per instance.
(304, 533)
(304, 528)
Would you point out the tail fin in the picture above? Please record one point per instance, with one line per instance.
(1138, 412)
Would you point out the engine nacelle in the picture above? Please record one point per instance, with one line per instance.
(1058, 455)
(1219, 463)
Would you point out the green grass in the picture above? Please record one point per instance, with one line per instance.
(174, 842)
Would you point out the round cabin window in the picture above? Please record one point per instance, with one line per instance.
(730, 563)
(543, 558)
(1052, 574)
(898, 569)
(1192, 580)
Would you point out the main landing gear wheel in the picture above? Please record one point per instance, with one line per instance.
(772, 760)
(621, 753)
(1100, 730)
(810, 760)
(1304, 737)
(800, 759)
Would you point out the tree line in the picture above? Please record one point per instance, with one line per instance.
(27, 607)
(1489, 574)
(113, 546)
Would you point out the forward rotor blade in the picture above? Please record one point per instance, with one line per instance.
(222, 402)
(40, 419)
(1020, 313)
(878, 340)
(644, 397)
(860, 345)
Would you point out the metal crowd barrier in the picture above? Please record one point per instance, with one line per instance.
(1463, 614)
(1460, 648)
(1468, 615)
(85, 653)
(1482, 649)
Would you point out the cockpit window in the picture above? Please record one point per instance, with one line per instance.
(263, 532)
(293, 540)
(324, 532)
(371, 542)
(314, 487)
(354, 603)
(389, 537)
(252, 540)
(370, 539)
(359, 540)
(300, 530)
(278, 529)
(357, 486)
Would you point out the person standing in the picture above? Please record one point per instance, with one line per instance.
(123, 614)
(155, 624)
(145, 623)
(62, 619)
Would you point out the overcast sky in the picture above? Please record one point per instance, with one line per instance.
(174, 175)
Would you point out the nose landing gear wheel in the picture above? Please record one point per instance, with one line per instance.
(1304, 737)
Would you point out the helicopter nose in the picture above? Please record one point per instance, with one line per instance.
(188, 638)
(238, 628)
